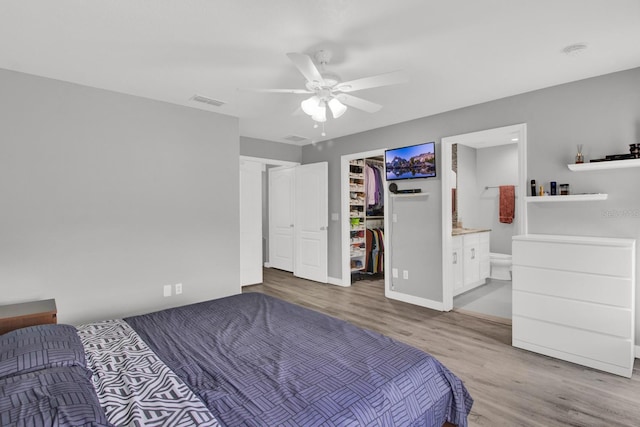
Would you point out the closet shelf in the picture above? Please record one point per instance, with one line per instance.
(569, 198)
(613, 164)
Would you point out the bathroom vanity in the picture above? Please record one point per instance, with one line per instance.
(470, 258)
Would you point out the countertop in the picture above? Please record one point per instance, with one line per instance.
(461, 231)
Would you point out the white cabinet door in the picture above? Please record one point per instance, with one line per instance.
(483, 252)
(471, 259)
(250, 223)
(311, 221)
(281, 218)
(457, 260)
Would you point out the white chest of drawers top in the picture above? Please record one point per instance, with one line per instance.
(574, 299)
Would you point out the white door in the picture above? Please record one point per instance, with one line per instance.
(250, 222)
(311, 221)
(281, 218)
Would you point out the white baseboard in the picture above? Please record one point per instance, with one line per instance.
(337, 282)
(267, 265)
(638, 352)
(422, 302)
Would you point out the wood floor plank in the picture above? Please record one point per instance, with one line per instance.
(510, 386)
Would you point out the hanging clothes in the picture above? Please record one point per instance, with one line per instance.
(374, 172)
(374, 260)
(371, 185)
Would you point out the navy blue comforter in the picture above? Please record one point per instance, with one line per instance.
(255, 360)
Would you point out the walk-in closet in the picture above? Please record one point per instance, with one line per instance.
(366, 218)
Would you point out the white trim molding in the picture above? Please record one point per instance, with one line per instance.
(422, 302)
(344, 209)
(337, 282)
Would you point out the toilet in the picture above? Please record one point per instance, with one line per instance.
(500, 266)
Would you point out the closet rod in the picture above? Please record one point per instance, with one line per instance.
(493, 186)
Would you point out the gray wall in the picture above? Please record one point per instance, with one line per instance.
(108, 197)
(480, 208)
(414, 239)
(253, 147)
(603, 113)
(496, 166)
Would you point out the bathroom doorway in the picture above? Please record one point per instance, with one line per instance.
(477, 165)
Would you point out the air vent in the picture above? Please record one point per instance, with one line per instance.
(205, 100)
(574, 49)
(295, 138)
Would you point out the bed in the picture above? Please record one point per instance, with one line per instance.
(245, 360)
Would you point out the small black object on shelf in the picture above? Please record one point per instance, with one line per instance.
(634, 153)
(409, 191)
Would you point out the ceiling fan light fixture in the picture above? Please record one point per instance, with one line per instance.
(310, 105)
(320, 114)
(337, 107)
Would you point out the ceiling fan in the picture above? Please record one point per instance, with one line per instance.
(328, 91)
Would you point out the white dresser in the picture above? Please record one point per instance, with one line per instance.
(574, 299)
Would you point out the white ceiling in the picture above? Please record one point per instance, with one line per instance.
(455, 52)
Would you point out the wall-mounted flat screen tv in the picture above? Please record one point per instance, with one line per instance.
(415, 161)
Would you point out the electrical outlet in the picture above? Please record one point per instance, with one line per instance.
(394, 273)
(405, 274)
(394, 217)
(167, 290)
(178, 288)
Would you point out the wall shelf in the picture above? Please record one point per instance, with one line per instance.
(409, 194)
(569, 198)
(613, 164)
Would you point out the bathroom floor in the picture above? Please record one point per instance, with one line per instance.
(492, 298)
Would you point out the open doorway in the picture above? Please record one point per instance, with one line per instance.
(363, 217)
(476, 241)
(254, 215)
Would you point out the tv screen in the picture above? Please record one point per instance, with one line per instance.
(415, 161)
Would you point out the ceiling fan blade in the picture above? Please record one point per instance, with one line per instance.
(359, 103)
(386, 79)
(295, 91)
(306, 66)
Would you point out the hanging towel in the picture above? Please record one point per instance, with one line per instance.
(507, 203)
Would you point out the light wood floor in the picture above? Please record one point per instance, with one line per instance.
(511, 387)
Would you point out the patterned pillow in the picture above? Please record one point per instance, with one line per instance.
(40, 347)
(62, 397)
